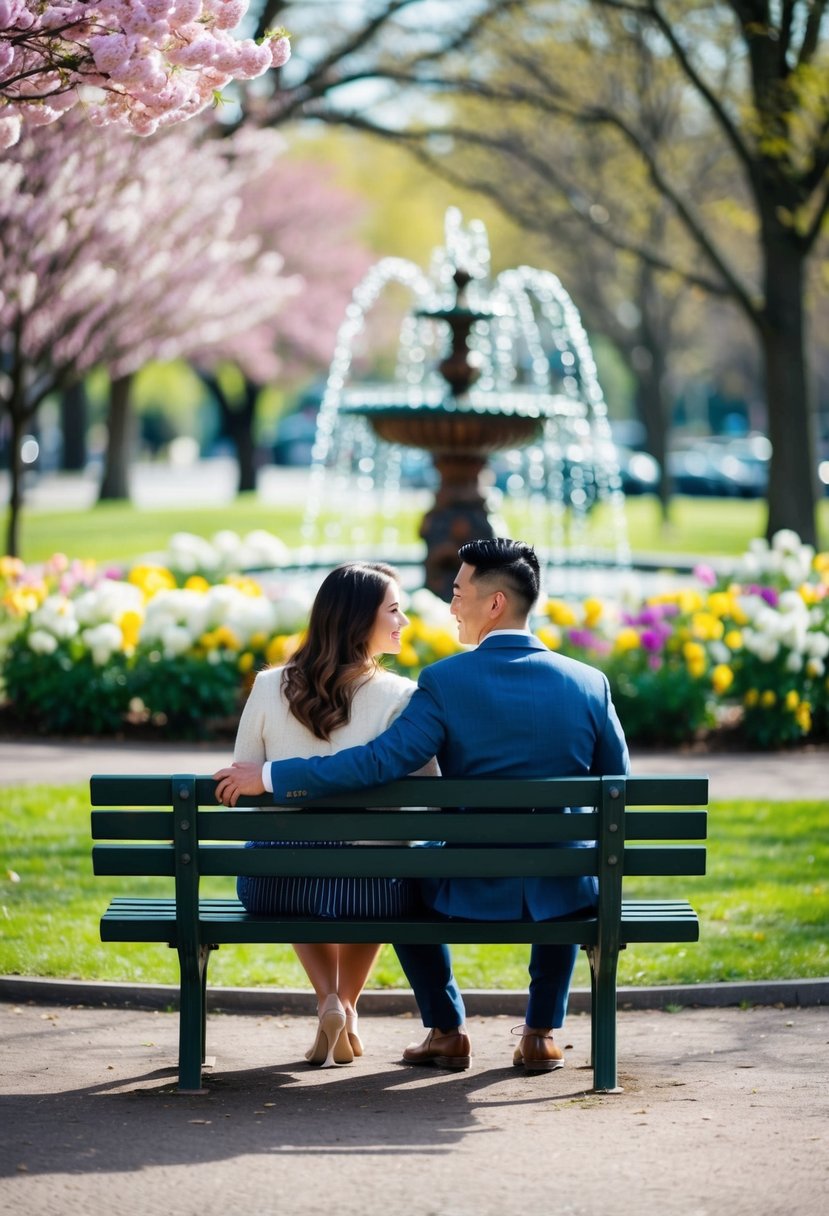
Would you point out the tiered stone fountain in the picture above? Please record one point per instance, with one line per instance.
(517, 375)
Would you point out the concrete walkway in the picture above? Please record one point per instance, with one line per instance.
(722, 1111)
(765, 776)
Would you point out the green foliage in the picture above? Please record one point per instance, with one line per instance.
(69, 693)
(664, 706)
(186, 694)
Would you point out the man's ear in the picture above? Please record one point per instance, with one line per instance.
(499, 604)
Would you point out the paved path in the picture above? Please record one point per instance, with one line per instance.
(723, 1111)
(753, 775)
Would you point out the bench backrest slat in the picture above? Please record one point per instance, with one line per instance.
(428, 791)
(150, 860)
(368, 862)
(666, 825)
(672, 860)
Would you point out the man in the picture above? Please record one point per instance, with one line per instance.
(509, 708)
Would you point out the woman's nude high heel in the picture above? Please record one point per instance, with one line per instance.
(354, 1039)
(331, 1045)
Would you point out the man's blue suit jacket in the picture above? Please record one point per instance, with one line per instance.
(509, 708)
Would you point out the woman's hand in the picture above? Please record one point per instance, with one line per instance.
(238, 780)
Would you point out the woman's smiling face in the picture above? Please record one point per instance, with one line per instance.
(388, 624)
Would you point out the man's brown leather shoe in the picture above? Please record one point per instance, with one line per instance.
(537, 1052)
(440, 1049)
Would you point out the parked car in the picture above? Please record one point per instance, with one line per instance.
(294, 441)
(639, 473)
(721, 466)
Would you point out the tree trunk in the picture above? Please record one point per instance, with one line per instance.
(115, 482)
(16, 432)
(653, 413)
(237, 426)
(73, 422)
(242, 433)
(792, 490)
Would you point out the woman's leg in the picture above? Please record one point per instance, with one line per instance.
(321, 961)
(356, 962)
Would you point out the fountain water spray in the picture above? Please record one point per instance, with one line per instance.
(516, 376)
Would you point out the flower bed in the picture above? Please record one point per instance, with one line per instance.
(175, 641)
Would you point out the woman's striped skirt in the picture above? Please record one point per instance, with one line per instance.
(326, 898)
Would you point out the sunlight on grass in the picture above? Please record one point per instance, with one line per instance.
(118, 531)
(763, 907)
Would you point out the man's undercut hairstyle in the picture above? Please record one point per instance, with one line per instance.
(509, 562)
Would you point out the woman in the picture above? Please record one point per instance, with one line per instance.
(332, 694)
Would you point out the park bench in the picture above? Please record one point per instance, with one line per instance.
(170, 826)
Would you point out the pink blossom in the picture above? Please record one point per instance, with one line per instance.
(111, 52)
(280, 50)
(253, 60)
(229, 13)
(705, 574)
(9, 130)
(127, 48)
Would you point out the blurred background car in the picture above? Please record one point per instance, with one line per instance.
(721, 466)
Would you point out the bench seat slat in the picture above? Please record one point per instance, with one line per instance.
(225, 921)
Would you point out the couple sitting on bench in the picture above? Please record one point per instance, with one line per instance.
(508, 708)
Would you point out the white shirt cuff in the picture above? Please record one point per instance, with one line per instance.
(266, 777)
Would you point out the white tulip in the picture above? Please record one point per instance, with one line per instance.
(175, 640)
(103, 641)
(42, 642)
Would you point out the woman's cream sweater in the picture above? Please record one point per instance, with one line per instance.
(269, 731)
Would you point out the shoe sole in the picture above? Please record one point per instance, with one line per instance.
(538, 1065)
(450, 1063)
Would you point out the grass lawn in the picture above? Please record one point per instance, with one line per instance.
(764, 907)
(118, 531)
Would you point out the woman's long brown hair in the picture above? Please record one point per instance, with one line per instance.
(333, 661)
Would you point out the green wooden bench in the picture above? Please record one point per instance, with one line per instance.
(170, 826)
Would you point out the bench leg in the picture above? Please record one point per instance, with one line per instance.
(603, 968)
(192, 1025)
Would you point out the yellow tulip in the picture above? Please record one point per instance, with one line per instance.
(693, 652)
(130, 623)
(11, 567)
(722, 677)
(244, 584)
(593, 609)
(151, 579)
(281, 647)
(550, 637)
(197, 582)
(408, 656)
(706, 626)
(560, 613)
